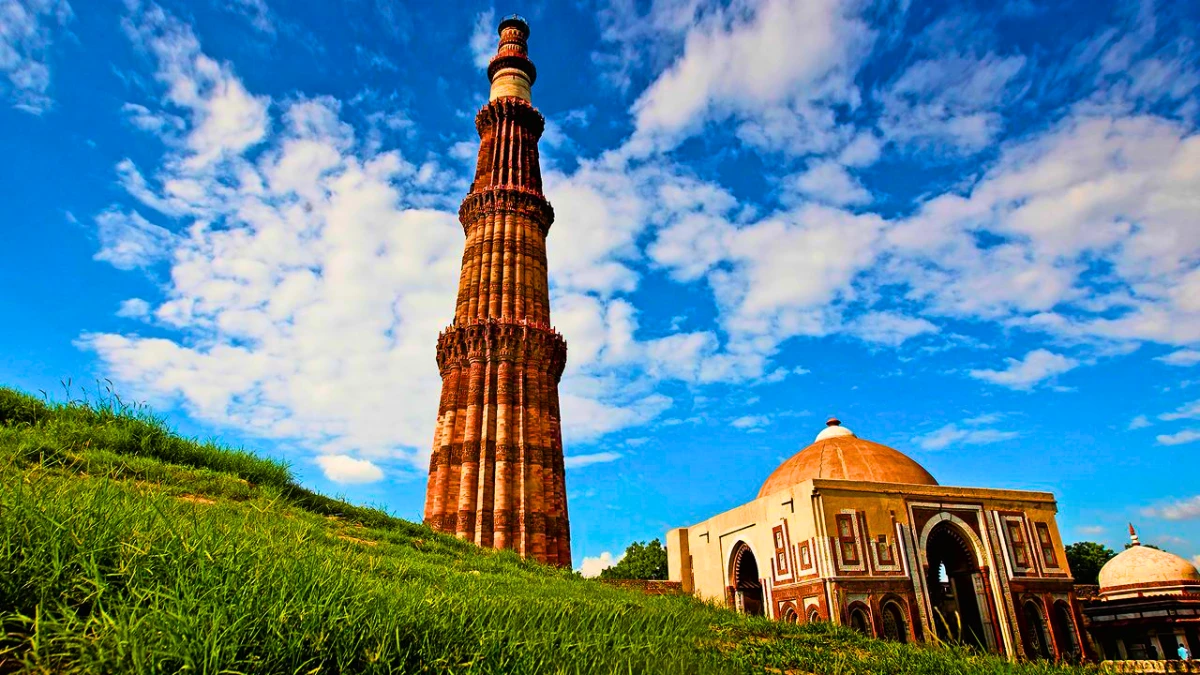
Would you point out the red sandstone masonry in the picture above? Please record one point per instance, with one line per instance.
(496, 474)
(649, 587)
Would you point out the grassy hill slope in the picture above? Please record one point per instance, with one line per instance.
(125, 548)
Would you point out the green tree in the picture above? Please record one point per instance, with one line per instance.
(1086, 558)
(641, 561)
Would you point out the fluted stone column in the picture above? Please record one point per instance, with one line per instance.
(496, 472)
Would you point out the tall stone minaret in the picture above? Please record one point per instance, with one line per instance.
(496, 474)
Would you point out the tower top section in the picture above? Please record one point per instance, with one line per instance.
(510, 70)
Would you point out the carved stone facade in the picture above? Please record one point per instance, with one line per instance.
(856, 533)
(496, 473)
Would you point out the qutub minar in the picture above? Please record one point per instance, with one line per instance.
(496, 473)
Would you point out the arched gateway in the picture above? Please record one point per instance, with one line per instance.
(955, 585)
(744, 582)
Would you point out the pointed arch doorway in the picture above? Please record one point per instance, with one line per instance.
(744, 581)
(956, 588)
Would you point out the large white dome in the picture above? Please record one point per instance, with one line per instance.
(1141, 570)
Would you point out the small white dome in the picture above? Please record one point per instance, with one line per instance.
(833, 428)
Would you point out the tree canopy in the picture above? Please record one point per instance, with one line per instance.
(1086, 558)
(641, 561)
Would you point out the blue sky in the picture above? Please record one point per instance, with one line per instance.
(970, 230)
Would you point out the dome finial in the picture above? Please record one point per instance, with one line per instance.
(833, 428)
(1133, 536)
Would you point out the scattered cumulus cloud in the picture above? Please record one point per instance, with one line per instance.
(952, 434)
(255, 11)
(580, 461)
(1139, 422)
(1188, 411)
(1182, 357)
(346, 469)
(225, 119)
(27, 32)
(134, 308)
(1038, 366)
(592, 566)
(483, 38)
(774, 69)
(1179, 438)
(1184, 509)
(831, 183)
(890, 328)
(750, 422)
(985, 418)
(948, 104)
(128, 241)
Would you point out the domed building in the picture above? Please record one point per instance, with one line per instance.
(858, 533)
(1148, 605)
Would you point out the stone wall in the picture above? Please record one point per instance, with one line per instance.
(647, 586)
(1192, 666)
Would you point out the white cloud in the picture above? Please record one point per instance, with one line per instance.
(592, 566)
(156, 122)
(785, 275)
(254, 11)
(593, 407)
(1139, 422)
(862, 151)
(128, 241)
(26, 34)
(1184, 509)
(889, 328)
(1091, 530)
(1189, 411)
(1094, 189)
(830, 183)
(609, 207)
(225, 118)
(134, 308)
(750, 422)
(986, 418)
(346, 469)
(775, 67)
(483, 38)
(636, 40)
(1181, 357)
(1037, 366)
(951, 434)
(580, 461)
(948, 103)
(374, 60)
(1179, 438)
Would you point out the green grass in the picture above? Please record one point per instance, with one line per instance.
(125, 548)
